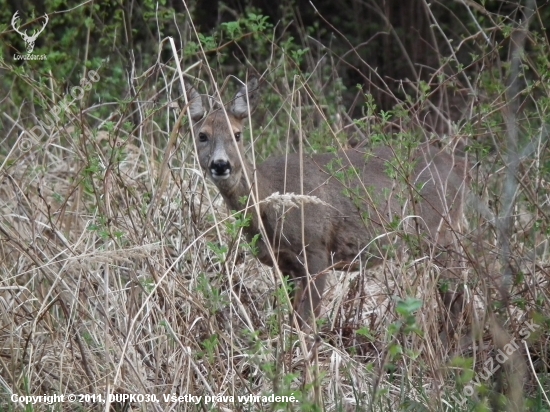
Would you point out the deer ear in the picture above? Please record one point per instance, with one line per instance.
(195, 104)
(239, 107)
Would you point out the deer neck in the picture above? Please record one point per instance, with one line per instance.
(240, 190)
(243, 189)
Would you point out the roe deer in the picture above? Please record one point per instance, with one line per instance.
(358, 199)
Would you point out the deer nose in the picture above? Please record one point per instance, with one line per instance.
(220, 169)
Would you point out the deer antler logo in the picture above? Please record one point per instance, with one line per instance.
(15, 22)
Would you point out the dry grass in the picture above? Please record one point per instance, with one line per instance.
(105, 290)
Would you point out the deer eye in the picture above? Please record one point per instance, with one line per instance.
(203, 137)
(238, 136)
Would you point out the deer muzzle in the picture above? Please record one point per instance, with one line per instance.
(220, 169)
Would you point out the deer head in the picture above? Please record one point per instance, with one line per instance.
(218, 134)
(15, 22)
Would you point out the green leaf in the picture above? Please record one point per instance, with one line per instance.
(408, 306)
